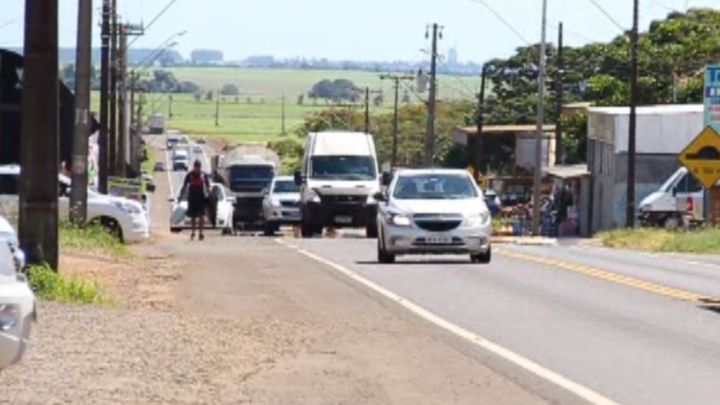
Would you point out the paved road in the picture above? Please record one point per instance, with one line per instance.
(587, 314)
(176, 178)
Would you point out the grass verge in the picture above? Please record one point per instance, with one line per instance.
(51, 286)
(148, 165)
(705, 241)
(91, 239)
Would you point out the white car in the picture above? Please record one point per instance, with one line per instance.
(433, 211)
(123, 217)
(17, 308)
(281, 205)
(8, 234)
(223, 220)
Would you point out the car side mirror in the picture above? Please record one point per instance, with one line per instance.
(20, 259)
(386, 179)
(379, 196)
(298, 178)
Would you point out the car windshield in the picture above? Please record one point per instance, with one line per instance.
(286, 186)
(343, 167)
(434, 187)
(251, 173)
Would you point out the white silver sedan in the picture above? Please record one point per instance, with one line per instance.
(433, 211)
(17, 306)
(223, 220)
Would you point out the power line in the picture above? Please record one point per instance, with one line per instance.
(607, 14)
(10, 22)
(155, 19)
(503, 20)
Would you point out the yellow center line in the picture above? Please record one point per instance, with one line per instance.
(613, 277)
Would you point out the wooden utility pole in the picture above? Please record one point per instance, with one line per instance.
(121, 157)
(39, 157)
(396, 79)
(217, 108)
(634, 54)
(170, 101)
(83, 66)
(282, 112)
(112, 147)
(537, 175)
(103, 153)
(560, 94)
(430, 136)
(368, 92)
(478, 142)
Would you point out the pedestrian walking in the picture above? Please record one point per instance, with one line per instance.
(197, 187)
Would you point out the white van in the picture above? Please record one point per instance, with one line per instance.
(338, 179)
(679, 198)
(180, 160)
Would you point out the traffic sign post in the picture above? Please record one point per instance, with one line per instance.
(711, 119)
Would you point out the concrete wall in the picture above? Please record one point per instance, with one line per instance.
(602, 168)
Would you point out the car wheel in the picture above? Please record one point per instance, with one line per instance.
(482, 258)
(175, 230)
(371, 232)
(383, 256)
(110, 225)
(268, 229)
(672, 222)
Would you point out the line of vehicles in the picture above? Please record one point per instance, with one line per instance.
(339, 185)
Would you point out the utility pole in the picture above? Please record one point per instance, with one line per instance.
(170, 101)
(113, 88)
(39, 157)
(103, 163)
(368, 92)
(217, 108)
(537, 178)
(83, 66)
(560, 94)
(478, 144)
(634, 55)
(282, 112)
(396, 79)
(121, 162)
(430, 136)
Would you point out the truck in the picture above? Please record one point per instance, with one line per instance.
(247, 172)
(157, 124)
(339, 176)
(677, 203)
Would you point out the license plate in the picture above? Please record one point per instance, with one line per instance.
(343, 220)
(438, 240)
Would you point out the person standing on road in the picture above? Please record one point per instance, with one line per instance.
(197, 186)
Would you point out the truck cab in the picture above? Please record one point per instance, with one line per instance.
(679, 199)
(247, 180)
(338, 179)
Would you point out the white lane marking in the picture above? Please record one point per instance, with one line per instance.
(540, 371)
(169, 170)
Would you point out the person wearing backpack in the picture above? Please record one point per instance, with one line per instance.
(197, 187)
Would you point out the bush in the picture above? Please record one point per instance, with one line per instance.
(92, 238)
(51, 286)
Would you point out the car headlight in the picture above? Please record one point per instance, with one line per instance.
(397, 219)
(477, 220)
(8, 316)
(275, 203)
(645, 207)
(129, 208)
(312, 196)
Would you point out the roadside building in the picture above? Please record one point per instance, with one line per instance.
(662, 133)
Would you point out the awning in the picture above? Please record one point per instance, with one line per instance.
(567, 171)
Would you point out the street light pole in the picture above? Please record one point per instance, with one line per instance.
(83, 66)
(537, 175)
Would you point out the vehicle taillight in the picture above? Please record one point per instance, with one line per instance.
(690, 204)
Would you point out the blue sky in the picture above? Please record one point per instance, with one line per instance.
(357, 29)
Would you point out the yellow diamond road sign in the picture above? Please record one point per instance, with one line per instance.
(702, 157)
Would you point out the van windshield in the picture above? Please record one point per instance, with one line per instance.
(669, 183)
(343, 168)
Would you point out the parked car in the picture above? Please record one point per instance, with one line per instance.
(149, 181)
(159, 167)
(281, 205)
(432, 211)
(8, 234)
(17, 307)
(223, 212)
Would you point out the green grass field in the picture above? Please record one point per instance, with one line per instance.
(257, 114)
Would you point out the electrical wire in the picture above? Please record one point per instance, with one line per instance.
(155, 19)
(607, 14)
(503, 20)
(10, 22)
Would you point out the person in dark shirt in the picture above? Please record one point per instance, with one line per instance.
(197, 187)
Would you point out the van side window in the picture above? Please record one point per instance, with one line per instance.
(9, 184)
(688, 184)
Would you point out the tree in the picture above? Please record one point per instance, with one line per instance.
(301, 99)
(209, 95)
(378, 100)
(230, 89)
(188, 87)
(337, 90)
